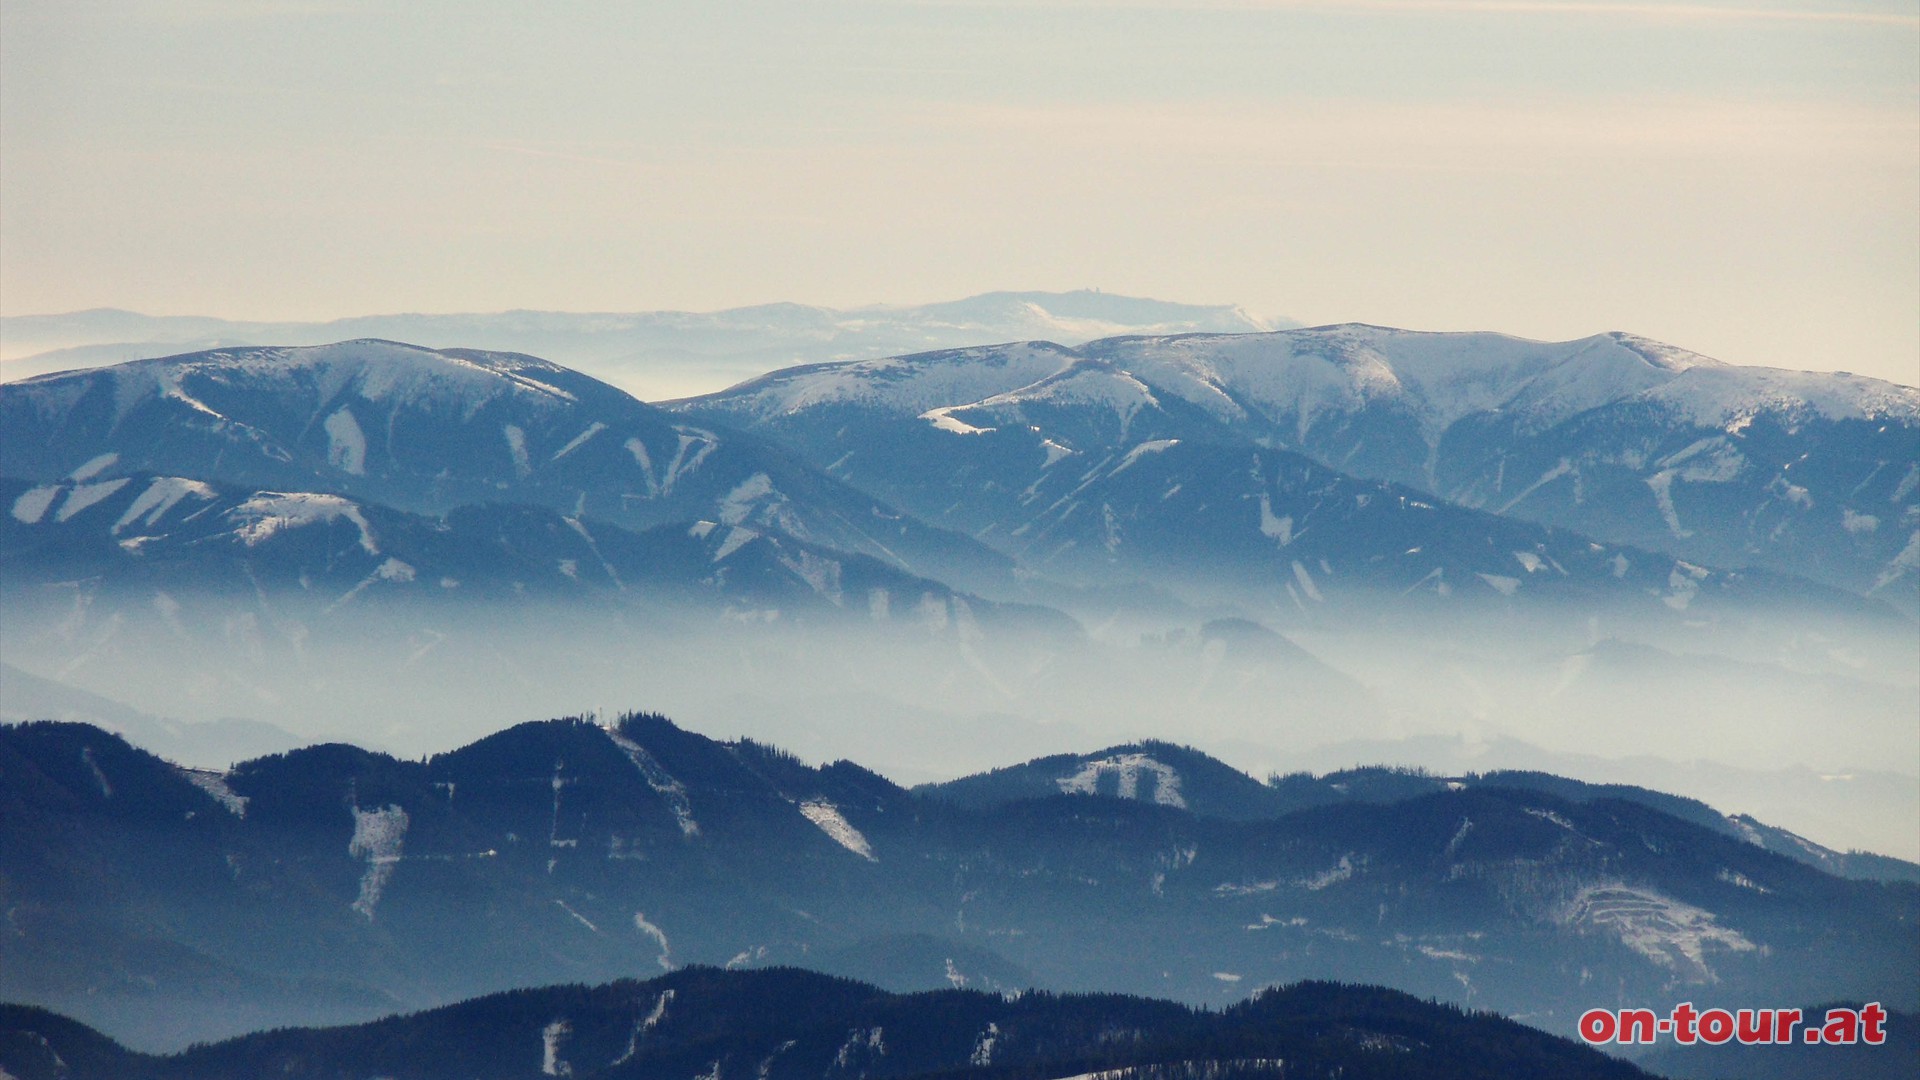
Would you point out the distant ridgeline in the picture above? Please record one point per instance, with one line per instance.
(648, 353)
(331, 884)
(784, 1023)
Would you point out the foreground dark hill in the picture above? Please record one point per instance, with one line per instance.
(782, 1023)
(332, 884)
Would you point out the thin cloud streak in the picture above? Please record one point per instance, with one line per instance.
(560, 155)
(1641, 11)
(1423, 135)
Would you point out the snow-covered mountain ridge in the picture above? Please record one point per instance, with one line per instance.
(372, 370)
(1304, 375)
(425, 431)
(1615, 436)
(1443, 378)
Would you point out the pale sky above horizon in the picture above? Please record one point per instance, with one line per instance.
(1739, 178)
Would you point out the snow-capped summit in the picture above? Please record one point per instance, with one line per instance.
(1617, 436)
(425, 431)
(370, 369)
(1308, 375)
(899, 385)
(1434, 379)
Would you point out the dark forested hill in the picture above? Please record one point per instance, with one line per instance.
(330, 883)
(783, 1023)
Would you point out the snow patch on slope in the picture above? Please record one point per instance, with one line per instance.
(1501, 583)
(828, 818)
(1662, 485)
(93, 467)
(672, 791)
(378, 836)
(579, 440)
(735, 539)
(86, 495)
(1668, 932)
(346, 443)
(1279, 528)
(270, 512)
(1126, 770)
(1900, 565)
(983, 1046)
(215, 785)
(641, 923)
(32, 504)
(517, 447)
(551, 1038)
(645, 1025)
(161, 496)
(739, 502)
(1334, 875)
(682, 465)
(942, 418)
(1152, 446)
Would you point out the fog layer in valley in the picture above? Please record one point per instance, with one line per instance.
(1803, 726)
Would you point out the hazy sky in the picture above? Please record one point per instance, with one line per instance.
(1742, 178)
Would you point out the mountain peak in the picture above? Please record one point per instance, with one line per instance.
(373, 369)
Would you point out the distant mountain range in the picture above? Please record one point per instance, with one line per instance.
(452, 429)
(427, 432)
(783, 1023)
(203, 744)
(651, 354)
(331, 884)
(1619, 438)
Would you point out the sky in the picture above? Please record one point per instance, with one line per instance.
(1740, 178)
